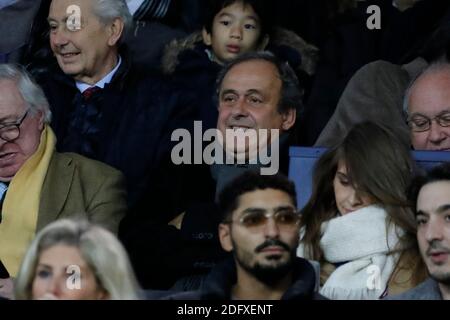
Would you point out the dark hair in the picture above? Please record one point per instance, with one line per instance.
(437, 46)
(438, 173)
(291, 94)
(379, 165)
(261, 7)
(248, 182)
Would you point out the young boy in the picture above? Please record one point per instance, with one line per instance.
(238, 27)
(230, 28)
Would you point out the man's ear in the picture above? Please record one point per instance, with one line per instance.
(289, 118)
(206, 37)
(115, 31)
(263, 43)
(225, 237)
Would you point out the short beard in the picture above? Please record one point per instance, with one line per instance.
(443, 278)
(268, 274)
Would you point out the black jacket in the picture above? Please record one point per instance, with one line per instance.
(197, 73)
(219, 282)
(138, 113)
(191, 251)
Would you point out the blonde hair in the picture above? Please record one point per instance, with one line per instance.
(100, 249)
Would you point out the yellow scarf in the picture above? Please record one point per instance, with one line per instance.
(21, 206)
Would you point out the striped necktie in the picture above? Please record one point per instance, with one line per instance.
(152, 9)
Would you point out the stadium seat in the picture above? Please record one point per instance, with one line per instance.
(302, 160)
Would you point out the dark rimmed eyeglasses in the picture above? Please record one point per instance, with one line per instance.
(11, 131)
(257, 218)
(420, 123)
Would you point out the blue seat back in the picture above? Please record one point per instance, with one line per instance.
(302, 160)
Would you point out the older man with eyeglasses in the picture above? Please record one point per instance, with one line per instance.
(260, 227)
(427, 108)
(39, 185)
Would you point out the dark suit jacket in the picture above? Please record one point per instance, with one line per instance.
(138, 115)
(76, 186)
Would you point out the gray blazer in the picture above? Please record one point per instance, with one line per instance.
(427, 290)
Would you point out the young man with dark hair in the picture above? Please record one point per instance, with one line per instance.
(430, 195)
(260, 227)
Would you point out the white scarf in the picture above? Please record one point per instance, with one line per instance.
(361, 240)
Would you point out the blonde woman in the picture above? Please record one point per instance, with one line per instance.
(75, 260)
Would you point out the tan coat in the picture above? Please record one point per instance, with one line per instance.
(78, 186)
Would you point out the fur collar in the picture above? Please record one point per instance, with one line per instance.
(308, 52)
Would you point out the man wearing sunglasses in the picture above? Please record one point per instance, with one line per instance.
(260, 227)
(427, 108)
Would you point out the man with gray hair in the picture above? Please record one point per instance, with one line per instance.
(104, 107)
(39, 185)
(427, 108)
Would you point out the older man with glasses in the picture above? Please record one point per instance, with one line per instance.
(260, 227)
(427, 108)
(39, 185)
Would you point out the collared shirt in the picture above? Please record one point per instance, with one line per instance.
(104, 81)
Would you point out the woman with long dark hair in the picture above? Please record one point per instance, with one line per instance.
(358, 223)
